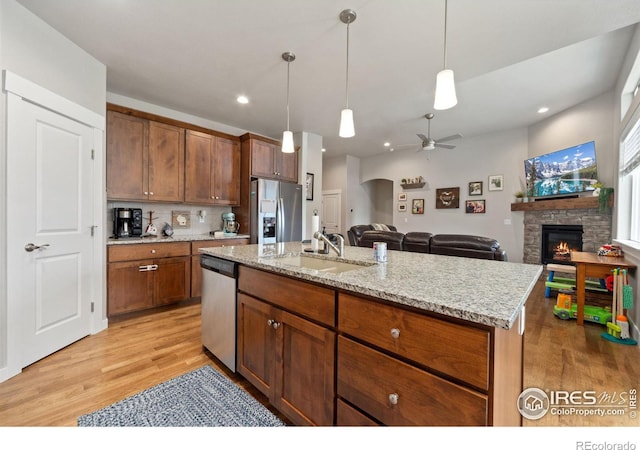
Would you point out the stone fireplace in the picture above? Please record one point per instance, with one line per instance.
(584, 212)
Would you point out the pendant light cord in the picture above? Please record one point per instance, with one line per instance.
(444, 61)
(346, 90)
(288, 64)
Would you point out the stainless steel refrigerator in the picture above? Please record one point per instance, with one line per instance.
(276, 212)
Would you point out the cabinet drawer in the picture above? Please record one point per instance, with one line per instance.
(314, 302)
(195, 245)
(152, 250)
(453, 349)
(370, 379)
(346, 416)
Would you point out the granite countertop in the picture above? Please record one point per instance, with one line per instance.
(481, 291)
(174, 238)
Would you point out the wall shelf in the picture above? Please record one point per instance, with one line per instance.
(412, 185)
(560, 203)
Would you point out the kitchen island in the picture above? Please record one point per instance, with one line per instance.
(419, 340)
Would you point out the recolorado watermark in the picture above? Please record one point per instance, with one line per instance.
(605, 445)
(535, 403)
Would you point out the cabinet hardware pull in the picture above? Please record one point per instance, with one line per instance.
(148, 268)
(150, 193)
(153, 251)
(146, 193)
(393, 398)
(276, 325)
(270, 322)
(395, 333)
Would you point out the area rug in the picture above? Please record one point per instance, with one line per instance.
(202, 398)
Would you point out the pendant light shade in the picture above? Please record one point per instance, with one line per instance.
(347, 128)
(445, 86)
(445, 90)
(287, 136)
(287, 142)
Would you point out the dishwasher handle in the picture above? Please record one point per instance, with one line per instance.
(218, 265)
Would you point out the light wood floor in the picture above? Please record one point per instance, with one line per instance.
(144, 350)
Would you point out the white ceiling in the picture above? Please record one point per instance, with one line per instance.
(509, 57)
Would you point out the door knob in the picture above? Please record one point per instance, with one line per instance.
(31, 246)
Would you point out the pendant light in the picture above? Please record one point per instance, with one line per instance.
(287, 136)
(445, 85)
(347, 129)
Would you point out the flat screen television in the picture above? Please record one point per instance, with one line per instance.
(562, 173)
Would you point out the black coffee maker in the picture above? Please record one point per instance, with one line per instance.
(127, 222)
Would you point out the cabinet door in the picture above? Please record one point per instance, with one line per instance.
(127, 157)
(226, 178)
(304, 384)
(262, 159)
(256, 343)
(198, 167)
(172, 280)
(129, 289)
(166, 162)
(287, 166)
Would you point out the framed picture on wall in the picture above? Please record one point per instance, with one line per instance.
(475, 206)
(475, 188)
(417, 206)
(448, 198)
(309, 186)
(402, 206)
(402, 197)
(496, 183)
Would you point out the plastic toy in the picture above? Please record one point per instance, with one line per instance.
(565, 309)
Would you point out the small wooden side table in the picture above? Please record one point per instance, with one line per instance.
(592, 265)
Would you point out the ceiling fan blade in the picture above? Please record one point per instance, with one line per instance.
(423, 137)
(449, 138)
(449, 146)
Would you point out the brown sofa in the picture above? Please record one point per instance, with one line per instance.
(464, 245)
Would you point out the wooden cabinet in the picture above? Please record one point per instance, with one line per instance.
(196, 270)
(404, 367)
(212, 169)
(145, 159)
(286, 346)
(142, 276)
(264, 159)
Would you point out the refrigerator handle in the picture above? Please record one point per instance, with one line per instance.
(280, 220)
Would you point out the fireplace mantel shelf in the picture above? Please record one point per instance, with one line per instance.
(561, 203)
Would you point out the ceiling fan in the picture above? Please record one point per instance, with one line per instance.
(429, 144)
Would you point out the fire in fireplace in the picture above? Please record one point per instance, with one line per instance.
(558, 241)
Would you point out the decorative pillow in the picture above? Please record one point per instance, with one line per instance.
(379, 227)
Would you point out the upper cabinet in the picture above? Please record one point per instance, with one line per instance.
(212, 169)
(145, 159)
(266, 160)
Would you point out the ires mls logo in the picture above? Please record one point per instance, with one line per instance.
(534, 403)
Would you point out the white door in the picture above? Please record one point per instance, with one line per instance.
(49, 228)
(331, 211)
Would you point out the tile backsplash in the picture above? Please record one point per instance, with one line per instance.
(163, 213)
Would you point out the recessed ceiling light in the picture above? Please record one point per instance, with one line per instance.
(391, 149)
(242, 99)
(324, 149)
(543, 110)
(387, 144)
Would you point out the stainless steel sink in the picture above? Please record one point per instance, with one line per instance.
(321, 265)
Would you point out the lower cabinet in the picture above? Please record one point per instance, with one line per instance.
(331, 358)
(143, 276)
(287, 357)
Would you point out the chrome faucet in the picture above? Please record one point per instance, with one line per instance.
(338, 249)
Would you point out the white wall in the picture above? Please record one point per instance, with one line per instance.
(311, 161)
(35, 51)
(589, 121)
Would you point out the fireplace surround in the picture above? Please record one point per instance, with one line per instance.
(596, 224)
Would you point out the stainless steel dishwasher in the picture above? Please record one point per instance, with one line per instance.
(219, 278)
